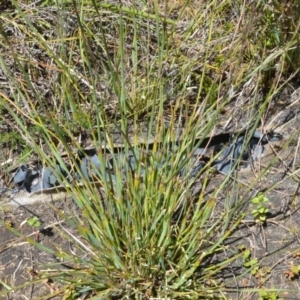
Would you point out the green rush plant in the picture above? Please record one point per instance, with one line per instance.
(149, 71)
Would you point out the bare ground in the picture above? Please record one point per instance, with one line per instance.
(20, 260)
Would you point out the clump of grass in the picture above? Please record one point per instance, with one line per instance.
(141, 235)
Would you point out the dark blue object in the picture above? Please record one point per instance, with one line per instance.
(35, 180)
(21, 175)
(236, 152)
